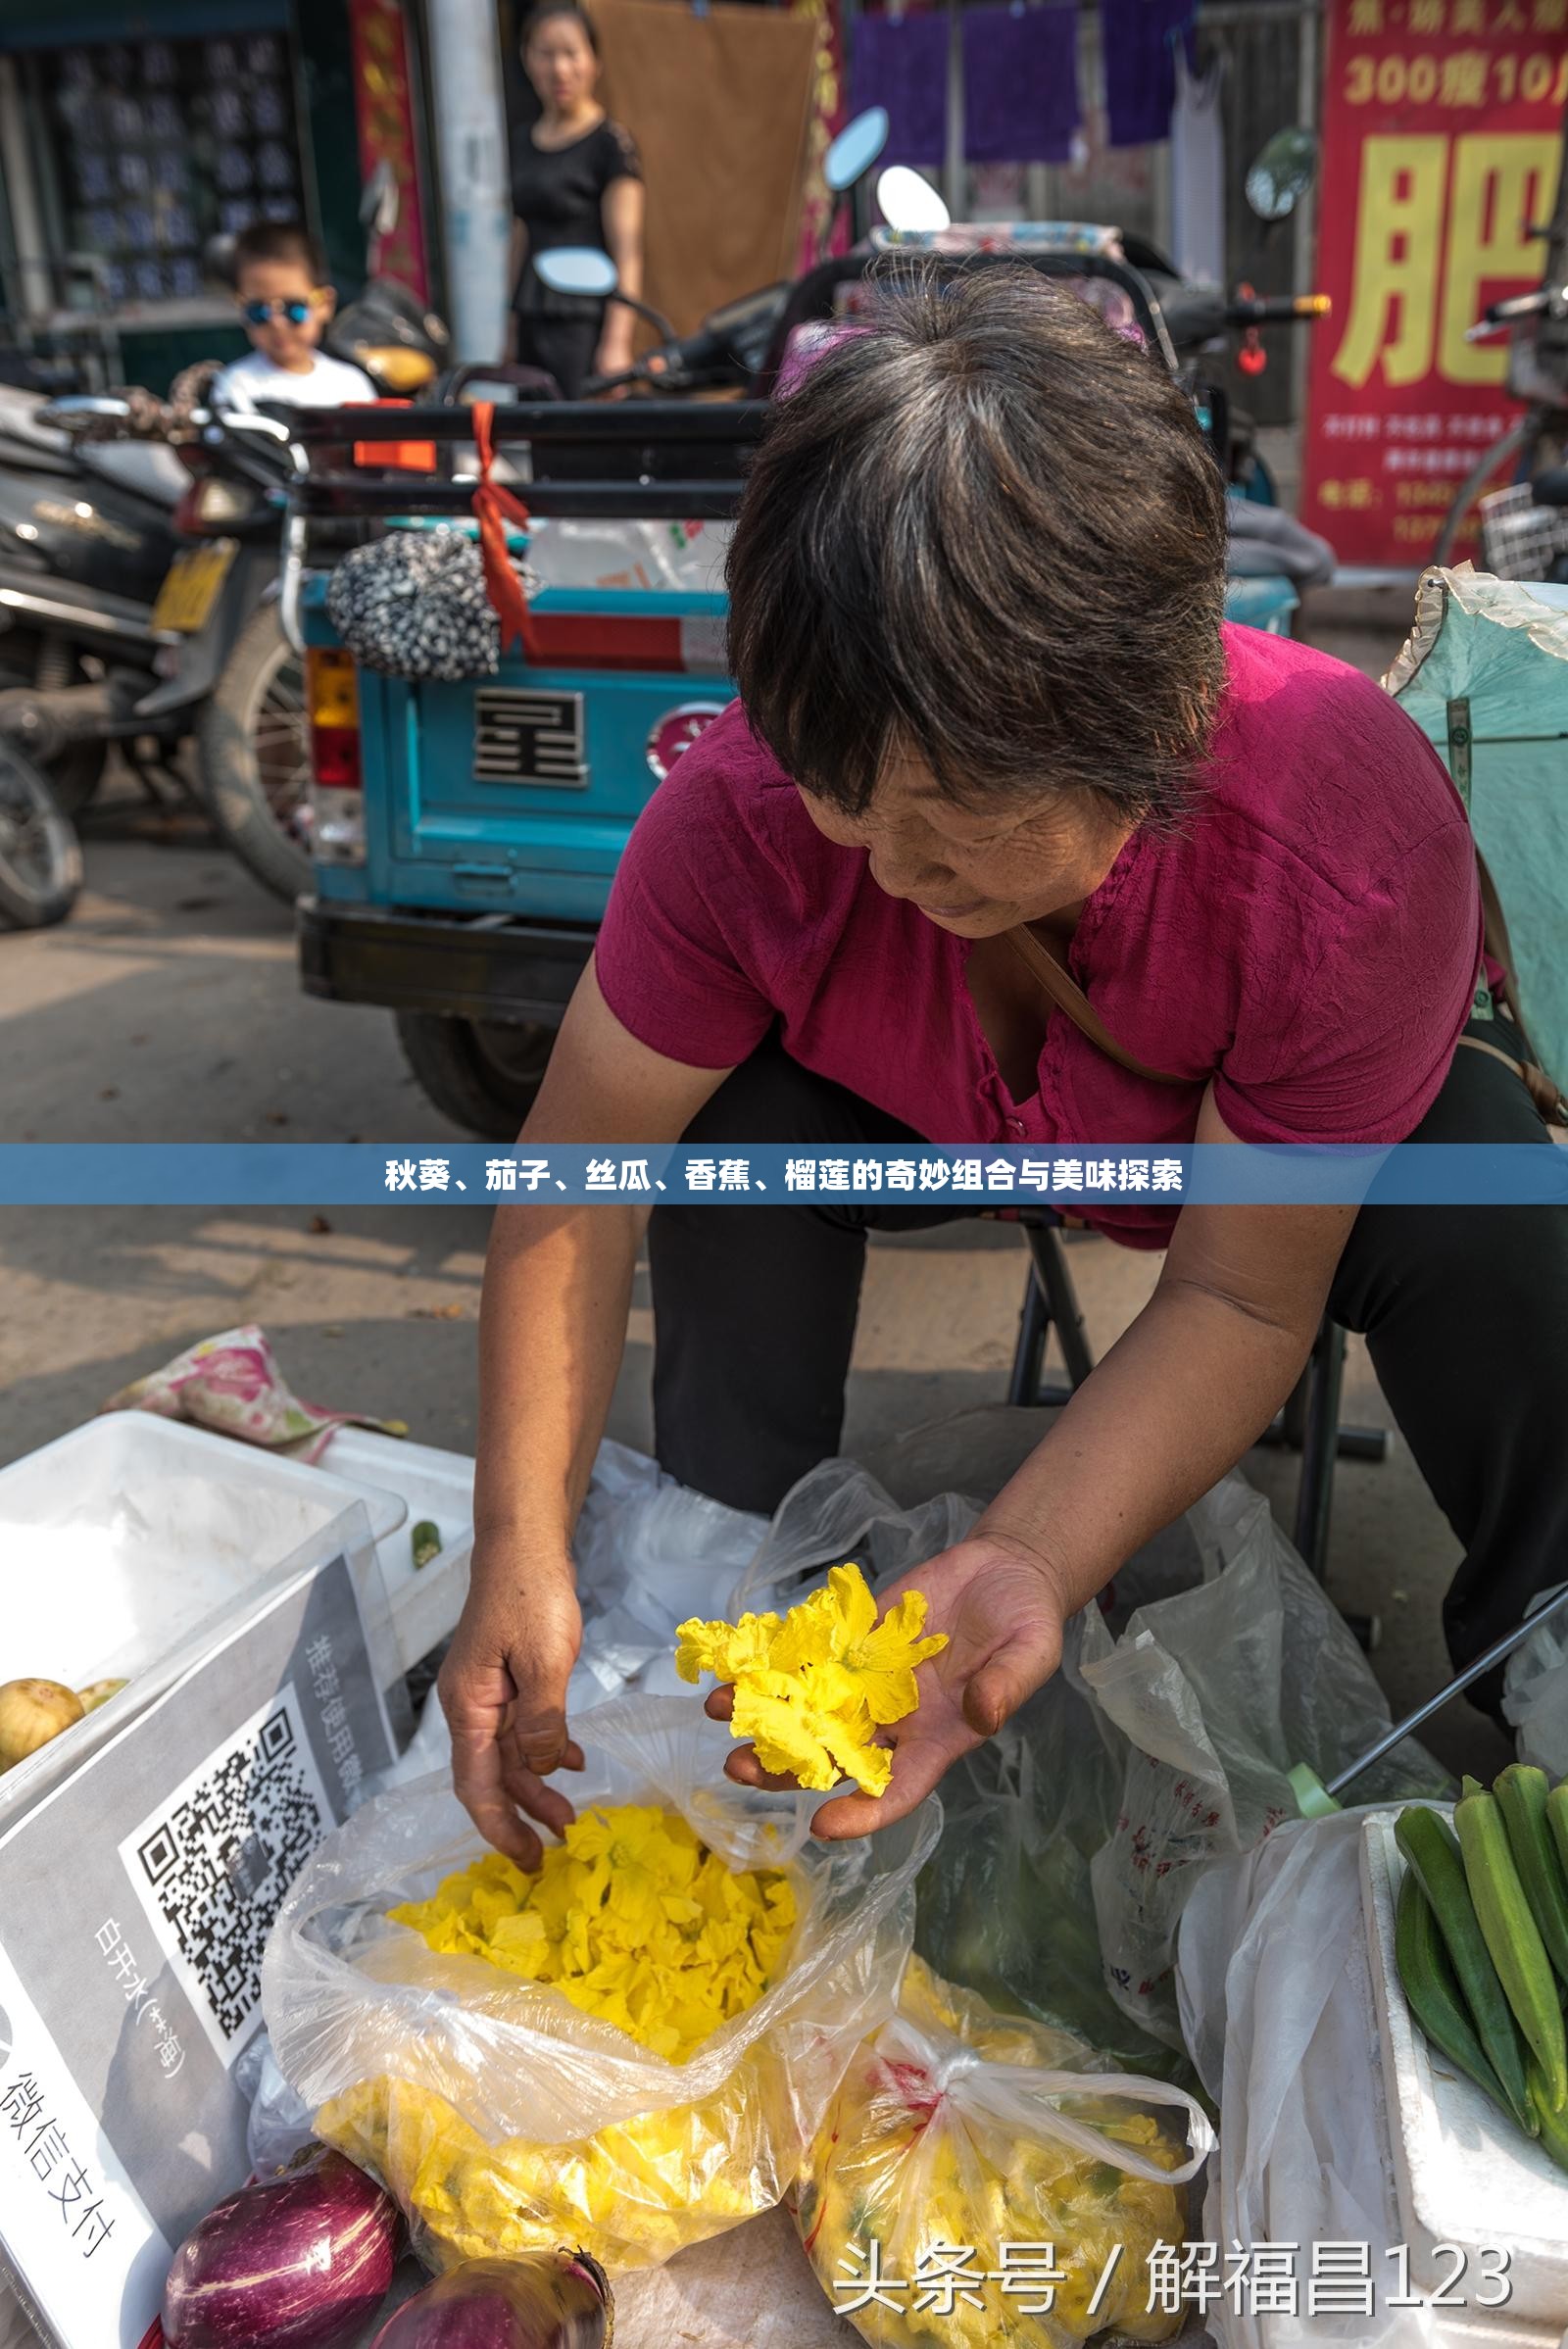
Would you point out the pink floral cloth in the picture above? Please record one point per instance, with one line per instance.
(232, 1386)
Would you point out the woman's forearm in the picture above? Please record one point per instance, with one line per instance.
(621, 212)
(551, 1331)
(1173, 1408)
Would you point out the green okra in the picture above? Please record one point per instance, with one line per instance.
(1511, 1934)
(1432, 1849)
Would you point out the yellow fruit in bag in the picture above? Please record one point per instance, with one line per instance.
(934, 2224)
(814, 1687)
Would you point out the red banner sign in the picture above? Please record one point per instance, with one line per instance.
(1442, 131)
(386, 107)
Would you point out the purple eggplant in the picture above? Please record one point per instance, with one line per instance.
(298, 2261)
(541, 2300)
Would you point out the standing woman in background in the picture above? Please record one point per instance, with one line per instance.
(575, 180)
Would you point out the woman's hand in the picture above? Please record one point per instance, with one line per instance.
(1000, 1602)
(503, 1688)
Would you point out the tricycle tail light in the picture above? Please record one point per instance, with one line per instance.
(332, 711)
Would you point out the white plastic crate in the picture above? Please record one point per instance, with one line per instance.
(122, 1541)
(1463, 2174)
(118, 1539)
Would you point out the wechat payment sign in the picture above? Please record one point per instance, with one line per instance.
(212, 1863)
(91, 2249)
(129, 1979)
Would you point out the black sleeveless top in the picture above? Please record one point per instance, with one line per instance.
(557, 194)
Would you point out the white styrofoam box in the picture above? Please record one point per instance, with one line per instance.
(122, 1541)
(118, 1539)
(1464, 2175)
(434, 1486)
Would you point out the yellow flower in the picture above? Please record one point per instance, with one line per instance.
(812, 1691)
(727, 1649)
(811, 1742)
(630, 1917)
(895, 2163)
(838, 1627)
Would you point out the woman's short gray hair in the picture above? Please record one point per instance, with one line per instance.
(987, 533)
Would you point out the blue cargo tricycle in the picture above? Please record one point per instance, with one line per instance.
(465, 835)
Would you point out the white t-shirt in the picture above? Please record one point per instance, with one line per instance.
(331, 383)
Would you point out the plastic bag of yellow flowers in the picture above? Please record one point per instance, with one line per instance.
(589, 2085)
(979, 2181)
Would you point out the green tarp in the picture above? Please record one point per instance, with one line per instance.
(1489, 657)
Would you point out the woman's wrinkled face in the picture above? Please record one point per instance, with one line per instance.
(561, 64)
(977, 871)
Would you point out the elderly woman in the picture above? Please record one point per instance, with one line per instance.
(990, 713)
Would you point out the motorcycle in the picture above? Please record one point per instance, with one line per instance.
(150, 579)
(89, 536)
(747, 346)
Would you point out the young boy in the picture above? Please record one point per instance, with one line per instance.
(281, 282)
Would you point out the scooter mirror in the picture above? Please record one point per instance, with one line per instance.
(1282, 173)
(855, 149)
(908, 202)
(577, 270)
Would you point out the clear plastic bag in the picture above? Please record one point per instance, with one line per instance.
(957, 2139)
(649, 1552)
(1074, 1840)
(1206, 1700)
(504, 2118)
(1277, 2003)
(1007, 1906)
(1535, 1693)
(838, 1510)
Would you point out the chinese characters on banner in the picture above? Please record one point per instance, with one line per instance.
(385, 111)
(1441, 134)
(828, 117)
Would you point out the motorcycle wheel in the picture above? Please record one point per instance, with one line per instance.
(481, 1074)
(40, 856)
(252, 757)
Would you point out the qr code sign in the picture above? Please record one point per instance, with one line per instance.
(211, 1865)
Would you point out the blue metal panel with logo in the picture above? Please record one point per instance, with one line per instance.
(518, 792)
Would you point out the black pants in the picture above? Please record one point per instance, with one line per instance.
(1464, 1311)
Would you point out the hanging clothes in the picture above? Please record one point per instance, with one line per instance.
(1138, 42)
(1198, 171)
(901, 62)
(714, 101)
(1021, 82)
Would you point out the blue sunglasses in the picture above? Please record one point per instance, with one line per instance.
(262, 313)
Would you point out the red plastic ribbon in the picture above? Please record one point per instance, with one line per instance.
(494, 507)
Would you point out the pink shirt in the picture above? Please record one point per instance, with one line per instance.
(1308, 942)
